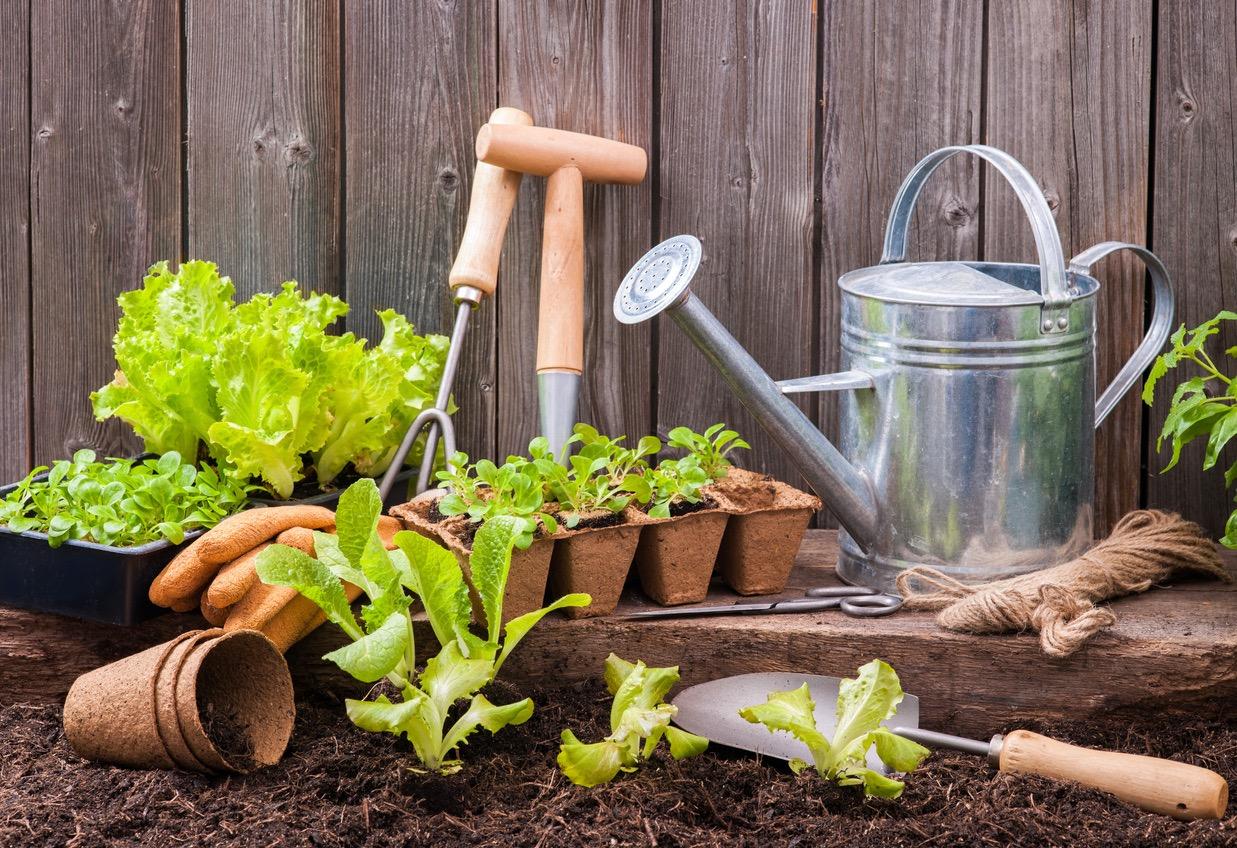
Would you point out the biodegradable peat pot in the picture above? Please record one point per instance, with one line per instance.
(596, 559)
(759, 548)
(234, 702)
(110, 715)
(526, 579)
(676, 556)
(421, 514)
(205, 701)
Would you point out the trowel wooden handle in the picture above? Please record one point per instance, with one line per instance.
(1159, 786)
(560, 326)
(493, 195)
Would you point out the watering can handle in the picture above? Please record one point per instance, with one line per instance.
(1054, 284)
(1157, 331)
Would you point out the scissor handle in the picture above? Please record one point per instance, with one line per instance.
(871, 606)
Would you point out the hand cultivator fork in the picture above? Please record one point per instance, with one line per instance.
(473, 276)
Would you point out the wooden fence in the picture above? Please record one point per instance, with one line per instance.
(331, 142)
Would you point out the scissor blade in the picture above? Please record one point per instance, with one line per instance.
(794, 605)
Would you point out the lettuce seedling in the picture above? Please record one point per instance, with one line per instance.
(712, 447)
(863, 703)
(484, 490)
(672, 482)
(638, 721)
(382, 645)
(1202, 406)
(121, 502)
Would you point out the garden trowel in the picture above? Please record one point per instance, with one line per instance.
(1159, 786)
(473, 277)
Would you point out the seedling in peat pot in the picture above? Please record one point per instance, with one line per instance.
(712, 447)
(382, 645)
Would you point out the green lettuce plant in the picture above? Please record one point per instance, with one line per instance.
(262, 386)
(585, 484)
(672, 482)
(639, 719)
(863, 703)
(121, 502)
(1203, 406)
(382, 646)
(712, 448)
(484, 490)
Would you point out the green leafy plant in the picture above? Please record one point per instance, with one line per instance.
(863, 703)
(672, 482)
(382, 646)
(712, 447)
(121, 502)
(638, 721)
(590, 481)
(263, 387)
(1204, 405)
(484, 490)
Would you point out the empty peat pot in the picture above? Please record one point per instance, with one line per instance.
(967, 404)
(205, 701)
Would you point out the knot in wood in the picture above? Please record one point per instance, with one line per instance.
(449, 180)
(956, 213)
(298, 152)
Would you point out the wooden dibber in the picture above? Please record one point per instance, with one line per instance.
(567, 159)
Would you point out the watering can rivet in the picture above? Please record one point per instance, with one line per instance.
(1062, 322)
(1047, 326)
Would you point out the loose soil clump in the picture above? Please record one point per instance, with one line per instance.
(340, 786)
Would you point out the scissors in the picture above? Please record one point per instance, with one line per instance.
(857, 601)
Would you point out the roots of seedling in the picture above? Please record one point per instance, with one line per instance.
(341, 786)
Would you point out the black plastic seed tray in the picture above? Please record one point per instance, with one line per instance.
(81, 579)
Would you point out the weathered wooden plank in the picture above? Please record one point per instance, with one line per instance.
(1171, 649)
(736, 150)
(264, 132)
(888, 103)
(105, 195)
(1195, 218)
(1069, 95)
(419, 81)
(584, 67)
(15, 242)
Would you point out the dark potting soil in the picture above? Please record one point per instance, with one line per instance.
(596, 522)
(685, 508)
(341, 786)
(227, 732)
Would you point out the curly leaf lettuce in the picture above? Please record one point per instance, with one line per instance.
(263, 385)
(863, 703)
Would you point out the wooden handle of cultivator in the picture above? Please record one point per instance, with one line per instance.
(494, 190)
(1159, 786)
(560, 316)
(542, 151)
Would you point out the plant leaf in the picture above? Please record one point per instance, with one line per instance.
(439, 583)
(684, 744)
(281, 565)
(489, 565)
(373, 657)
(590, 764)
(481, 713)
(518, 627)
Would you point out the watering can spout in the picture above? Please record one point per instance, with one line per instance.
(659, 283)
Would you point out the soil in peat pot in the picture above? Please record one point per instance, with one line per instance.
(341, 786)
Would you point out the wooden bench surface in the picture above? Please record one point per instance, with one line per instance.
(1172, 648)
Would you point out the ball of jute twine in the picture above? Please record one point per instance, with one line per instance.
(1146, 546)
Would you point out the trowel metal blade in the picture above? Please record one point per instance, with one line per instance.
(712, 709)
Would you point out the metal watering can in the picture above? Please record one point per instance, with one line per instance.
(967, 400)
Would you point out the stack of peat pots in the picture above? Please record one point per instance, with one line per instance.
(747, 525)
(206, 701)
